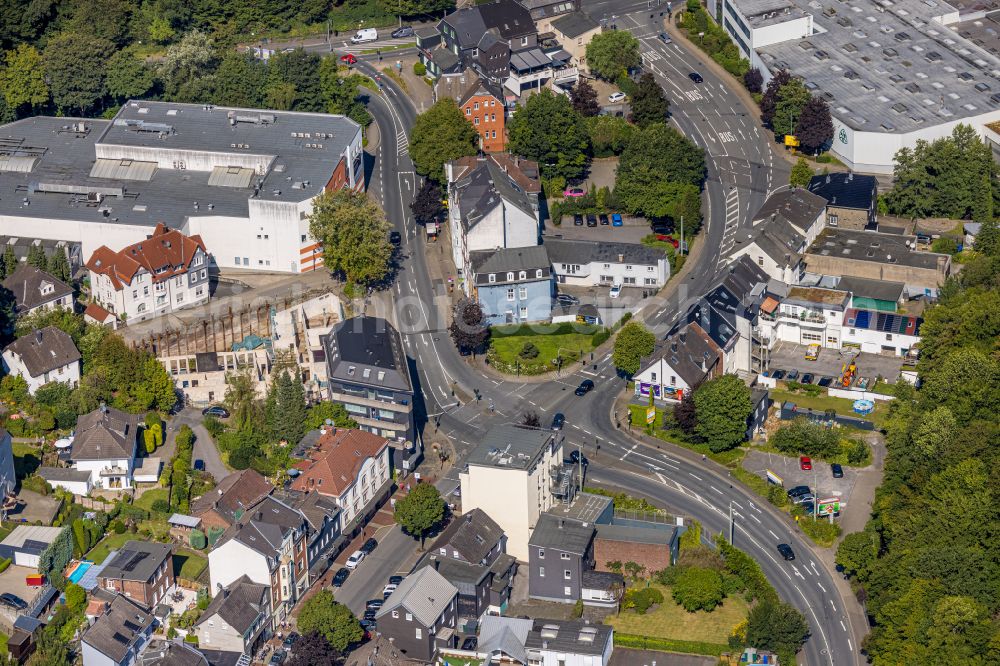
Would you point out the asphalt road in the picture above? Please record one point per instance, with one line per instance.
(204, 448)
(366, 582)
(741, 171)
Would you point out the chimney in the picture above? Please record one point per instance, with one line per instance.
(621, 258)
(260, 515)
(850, 176)
(673, 346)
(683, 336)
(38, 336)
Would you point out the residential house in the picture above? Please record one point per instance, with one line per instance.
(227, 502)
(45, 355)
(492, 204)
(470, 554)
(174, 653)
(559, 551)
(511, 476)
(881, 332)
(352, 468)
(593, 263)
(851, 199)
(544, 11)
(141, 570)
(485, 36)
(783, 228)
(685, 359)
(729, 312)
(95, 314)
(104, 445)
(483, 107)
(165, 272)
(806, 315)
(512, 285)
(236, 620)
(8, 479)
(877, 256)
(323, 525)
(527, 642)
(119, 633)
(760, 407)
(420, 615)
(574, 31)
(369, 374)
(35, 290)
(26, 542)
(267, 544)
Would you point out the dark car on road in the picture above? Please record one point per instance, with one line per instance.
(277, 658)
(289, 641)
(567, 299)
(696, 77)
(470, 643)
(585, 387)
(368, 546)
(777, 374)
(825, 381)
(13, 601)
(604, 219)
(369, 615)
(574, 458)
(402, 31)
(786, 551)
(558, 421)
(395, 238)
(837, 471)
(218, 411)
(807, 378)
(341, 576)
(577, 220)
(591, 220)
(199, 465)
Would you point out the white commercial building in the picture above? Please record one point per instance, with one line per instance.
(243, 180)
(510, 476)
(893, 72)
(593, 263)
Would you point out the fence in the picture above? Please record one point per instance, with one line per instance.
(858, 395)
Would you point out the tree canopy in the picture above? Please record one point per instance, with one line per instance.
(801, 173)
(612, 53)
(548, 130)
(354, 234)
(633, 342)
(722, 406)
(420, 511)
(331, 620)
(441, 134)
(585, 99)
(660, 175)
(469, 329)
(649, 102)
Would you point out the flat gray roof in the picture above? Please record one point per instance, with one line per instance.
(65, 152)
(874, 247)
(760, 13)
(511, 446)
(887, 66)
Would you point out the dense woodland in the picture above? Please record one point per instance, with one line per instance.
(928, 562)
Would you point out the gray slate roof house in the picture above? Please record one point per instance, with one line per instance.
(567, 536)
(569, 636)
(471, 537)
(425, 594)
(501, 636)
(510, 260)
(367, 350)
(508, 18)
(120, 630)
(264, 526)
(105, 433)
(238, 605)
(34, 288)
(482, 189)
(797, 206)
(509, 446)
(172, 653)
(45, 350)
(575, 24)
(137, 560)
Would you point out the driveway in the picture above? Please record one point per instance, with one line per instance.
(204, 447)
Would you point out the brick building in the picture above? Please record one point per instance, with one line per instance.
(484, 109)
(223, 505)
(141, 571)
(650, 548)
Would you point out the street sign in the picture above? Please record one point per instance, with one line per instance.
(791, 140)
(650, 415)
(774, 478)
(827, 507)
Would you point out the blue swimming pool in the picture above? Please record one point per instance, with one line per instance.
(79, 571)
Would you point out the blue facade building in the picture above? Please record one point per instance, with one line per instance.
(513, 285)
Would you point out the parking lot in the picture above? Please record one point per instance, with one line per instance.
(602, 233)
(787, 356)
(820, 479)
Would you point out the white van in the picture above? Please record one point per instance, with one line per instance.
(366, 35)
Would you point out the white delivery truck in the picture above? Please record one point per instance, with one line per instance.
(365, 35)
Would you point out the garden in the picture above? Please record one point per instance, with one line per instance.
(537, 349)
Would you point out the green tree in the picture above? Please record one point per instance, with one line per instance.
(585, 99)
(22, 78)
(128, 76)
(186, 61)
(967, 382)
(285, 407)
(80, 537)
(325, 411)
(698, 589)
(9, 261)
(857, 552)
(333, 621)
(801, 173)
(241, 398)
(469, 329)
(723, 406)
(633, 343)
(65, 320)
(76, 65)
(36, 257)
(609, 135)
(76, 597)
(612, 53)
(778, 627)
(58, 266)
(659, 176)
(649, 103)
(792, 97)
(340, 92)
(301, 70)
(548, 130)
(160, 30)
(420, 511)
(814, 128)
(108, 20)
(414, 8)
(354, 234)
(439, 135)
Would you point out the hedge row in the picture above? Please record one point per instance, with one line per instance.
(565, 328)
(748, 570)
(669, 645)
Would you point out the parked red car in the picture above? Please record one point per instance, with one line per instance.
(667, 238)
(348, 58)
(806, 463)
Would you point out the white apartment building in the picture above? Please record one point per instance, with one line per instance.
(168, 271)
(805, 316)
(593, 264)
(510, 476)
(243, 180)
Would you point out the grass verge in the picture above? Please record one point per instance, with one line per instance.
(670, 621)
(843, 406)
(189, 564)
(505, 351)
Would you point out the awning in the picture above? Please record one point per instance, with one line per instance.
(530, 59)
(561, 55)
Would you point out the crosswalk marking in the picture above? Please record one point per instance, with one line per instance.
(402, 143)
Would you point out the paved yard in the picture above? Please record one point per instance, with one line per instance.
(819, 479)
(602, 233)
(786, 356)
(13, 581)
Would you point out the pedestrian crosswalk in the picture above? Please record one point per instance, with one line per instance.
(402, 143)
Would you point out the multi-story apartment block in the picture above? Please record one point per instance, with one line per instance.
(368, 373)
(166, 272)
(484, 109)
(268, 544)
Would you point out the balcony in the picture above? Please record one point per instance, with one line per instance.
(805, 316)
(566, 75)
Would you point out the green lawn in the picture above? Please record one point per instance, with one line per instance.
(843, 406)
(3, 643)
(669, 620)
(188, 564)
(150, 496)
(452, 660)
(676, 436)
(569, 345)
(111, 542)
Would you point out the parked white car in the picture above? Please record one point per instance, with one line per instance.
(355, 559)
(616, 98)
(616, 291)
